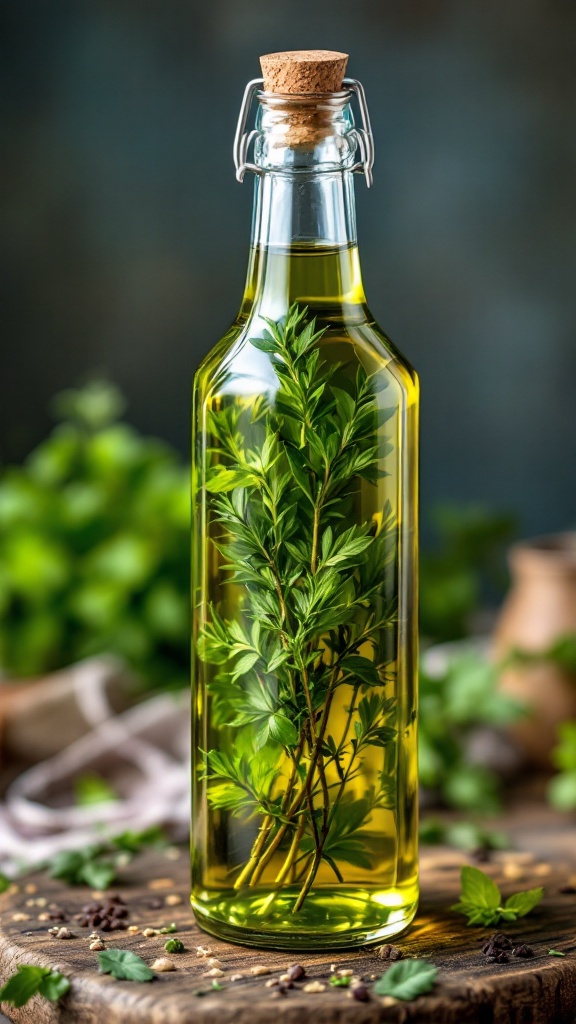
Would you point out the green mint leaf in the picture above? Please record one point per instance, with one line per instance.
(523, 902)
(20, 988)
(216, 986)
(478, 890)
(124, 965)
(338, 981)
(98, 874)
(555, 952)
(5, 882)
(407, 979)
(135, 842)
(53, 986)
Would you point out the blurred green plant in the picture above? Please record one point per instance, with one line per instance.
(562, 788)
(466, 564)
(94, 546)
(452, 704)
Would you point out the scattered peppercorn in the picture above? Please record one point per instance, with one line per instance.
(108, 915)
(523, 950)
(296, 972)
(174, 946)
(497, 943)
(498, 958)
(389, 952)
(360, 992)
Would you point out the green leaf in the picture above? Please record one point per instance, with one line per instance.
(5, 882)
(407, 979)
(555, 952)
(53, 986)
(29, 980)
(283, 730)
(523, 902)
(478, 889)
(93, 789)
(98, 874)
(124, 965)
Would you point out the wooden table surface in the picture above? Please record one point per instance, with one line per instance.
(470, 990)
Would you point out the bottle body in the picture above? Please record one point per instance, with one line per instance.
(304, 591)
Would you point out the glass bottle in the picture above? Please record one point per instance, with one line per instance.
(304, 557)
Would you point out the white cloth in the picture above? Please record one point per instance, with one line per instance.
(142, 752)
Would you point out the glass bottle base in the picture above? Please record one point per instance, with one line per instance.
(329, 920)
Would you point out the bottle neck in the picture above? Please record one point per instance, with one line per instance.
(304, 245)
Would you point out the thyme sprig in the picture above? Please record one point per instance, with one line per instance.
(318, 612)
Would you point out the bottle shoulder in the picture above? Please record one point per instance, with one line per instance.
(235, 364)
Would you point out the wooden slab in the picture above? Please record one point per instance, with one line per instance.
(470, 990)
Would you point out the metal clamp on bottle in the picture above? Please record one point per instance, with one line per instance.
(243, 138)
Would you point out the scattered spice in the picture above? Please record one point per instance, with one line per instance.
(174, 946)
(543, 869)
(259, 969)
(156, 903)
(133, 929)
(513, 871)
(213, 962)
(163, 964)
(389, 952)
(498, 958)
(21, 917)
(64, 933)
(523, 951)
(149, 933)
(44, 916)
(169, 929)
(203, 951)
(161, 883)
(497, 942)
(314, 986)
(272, 983)
(360, 992)
(97, 945)
(31, 888)
(214, 972)
(173, 900)
(236, 977)
(295, 972)
(108, 915)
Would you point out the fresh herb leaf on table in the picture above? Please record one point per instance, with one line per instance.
(30, 980)
(481, 899)
(124, 965)
(555, 952)
(5, 882)
(407, 979)
(97, 864)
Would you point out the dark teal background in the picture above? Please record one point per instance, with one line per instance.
(124, 234)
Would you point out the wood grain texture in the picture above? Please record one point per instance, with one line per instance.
(470, 990)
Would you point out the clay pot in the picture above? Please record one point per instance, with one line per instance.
(540, 608)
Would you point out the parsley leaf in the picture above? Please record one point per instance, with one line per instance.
(407, 979)
(124, 965)
(481, 899)
(555, 952)
(30, 980)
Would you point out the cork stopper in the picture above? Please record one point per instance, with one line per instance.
(293, 80)
(303, 72)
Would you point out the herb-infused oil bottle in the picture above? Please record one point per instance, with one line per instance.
(304, 556)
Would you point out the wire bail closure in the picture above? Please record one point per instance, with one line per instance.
(243, 139)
